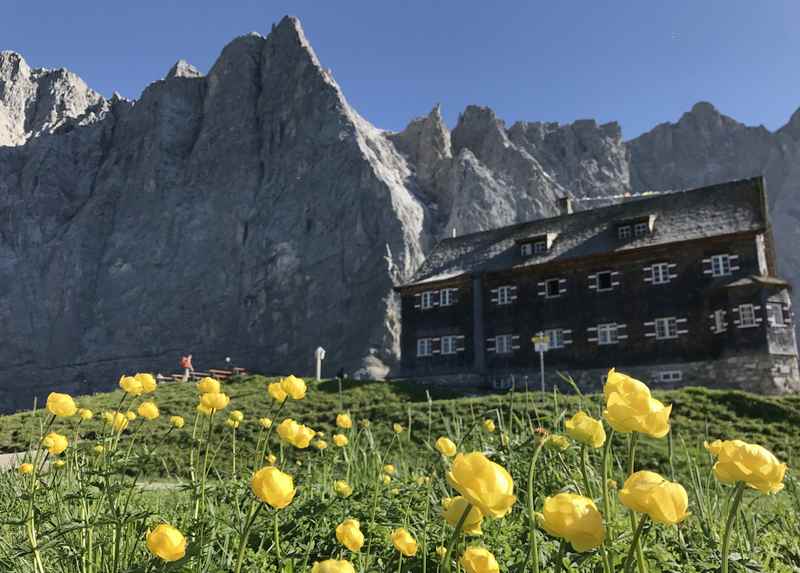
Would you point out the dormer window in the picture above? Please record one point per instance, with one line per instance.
(624, 232)
(537, 245)
(640, 230)
(635, 227)
(540, 247)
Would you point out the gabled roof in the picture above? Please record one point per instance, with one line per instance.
(724, 209)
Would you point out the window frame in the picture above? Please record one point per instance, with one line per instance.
(721, 265)
(666, 328)
(610, 286)
(547, 284)
(659, 273)
(504, 294)
(554, 335)
(641, 229)
(507, 347)
(539, 247)
(775, 310)
(526, 249)
(666, 376)
(719, 321)
(426, 300)
(427, 344)
(752, 323)
(446, 297)
(448, 345)
(611, 329)
(624, 232)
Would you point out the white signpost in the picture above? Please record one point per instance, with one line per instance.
(319, 354)
(541, 344)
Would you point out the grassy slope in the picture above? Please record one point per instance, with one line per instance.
(697, 413)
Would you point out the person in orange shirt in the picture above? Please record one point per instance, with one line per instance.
(186, 364)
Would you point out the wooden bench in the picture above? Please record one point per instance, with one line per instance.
(177, 377)
(240, 371)
(220, 374)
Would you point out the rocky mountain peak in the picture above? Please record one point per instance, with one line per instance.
(792, 128)
(183, 69)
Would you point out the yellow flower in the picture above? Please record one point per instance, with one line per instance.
(386, 479)
(320, 444)
(271, 459)
(446, 447)
(397, 428)
(237, 415)
(231, 423)
(340, 440)
(130, 415)
(215, 400)
(61, 405)
(296, 434)
(271, 485)
(488, 425)
(294, 387)
(342, 488)
(320, 434)
(631, 408)
(348, 533)
(364, 423)
(177, 422)
(344, 421)
(574, 518)
(98, 449)
(131, 385)
(389, 469)
(147, 381)
(25, 469)
(203, 409)
(55, 443)
(479, 560)
(749, 463)
(119, 421)
(85, 414)
(441, 551)
(452, 510)
(58, 464)
(557, 442)
(276, 392)
(484, 483)
(166, 543)
(208, 385)
(108, 417)
(423, 480)
(404, 542)
(148, 410)
(394, 492)
(333, 566)
(647, 492)
(265, 423)
(586, 430)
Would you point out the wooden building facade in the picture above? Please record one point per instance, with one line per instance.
(679, 288)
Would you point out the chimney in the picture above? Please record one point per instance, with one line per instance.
(564, 205)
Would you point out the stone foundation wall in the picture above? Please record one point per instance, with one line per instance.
(760, 374)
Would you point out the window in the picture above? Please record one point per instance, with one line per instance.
(641, 229)
(624, 232)
(504, 294)
(526, 249)
(670, 376)
(607, 334)
(719, 321)
(555, 338)
(775, 316)
(449, 344)
(502, 344)
(666, 328)
(540, 247)
(720, 265)
(447, 296)
(604, 281)
(426, 300)
(747, 316)
(552, 288)
(660, 273)
(424, 347)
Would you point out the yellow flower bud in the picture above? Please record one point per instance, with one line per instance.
(364, 423)
(147, 381)
(452, 510)
(404, 542)
(344, 421)
(130, 385)
(55, 443)
(738, 461)
(631, 408)
(85, 414)
(61, 405)
(333, 566)
(294, 387)
(25, 469)
(208, 385)
(58, 464)
(386, 479)
(557, 442)
(148, 410)
(203, 409)
(479, 560)
(397, 428)
(574, 518)
(348, 533)
(504, 439)
(98, 449)
(483, 483)
(215, 401)
(389, 469)
(320, 444)
(274, 487)
(265, 423)
(446, 447)
(271, 459)
(340, 440)
(177, 422)
(166, 543)
(342, 488)
(237, 415)
(108, 417)
(276, 392)
(130, 416)
(231, 423)
(647, 492)
(296, 434)
(586, 430)
(441, 551)
(488, 425)
(119, 421)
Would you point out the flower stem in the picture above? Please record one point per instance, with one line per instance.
(456, 534)
(585, 471)
(635, 544)
(734, 509)
(533, 551)
(632, 441)
(277, 540)
(562, 550)
(251, 519)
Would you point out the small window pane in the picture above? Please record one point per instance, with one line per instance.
(604, 281)
(747, 315)
(624, 232)
(553, 287)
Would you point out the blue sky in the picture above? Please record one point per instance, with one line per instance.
(640, 62)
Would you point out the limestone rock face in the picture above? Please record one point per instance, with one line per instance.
(252, 213)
